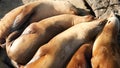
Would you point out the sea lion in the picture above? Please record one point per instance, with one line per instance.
(82, 57)
(106, 51)
(36, 34)
(57, 52)
(21, 16)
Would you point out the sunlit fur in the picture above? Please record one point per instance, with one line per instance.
(57, 52)
(106, 51)
(39, 33)
(82, 57)
(32, 12)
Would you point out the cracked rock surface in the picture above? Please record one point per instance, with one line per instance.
(102, 8)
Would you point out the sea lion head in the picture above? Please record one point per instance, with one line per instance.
(95, 27)
(112, 24)
(100, 23)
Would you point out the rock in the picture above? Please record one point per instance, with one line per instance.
(28, 1)
(5, 61)
(77, 3)
(7, 5)
(102, 8)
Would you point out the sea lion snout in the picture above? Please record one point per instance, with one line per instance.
(89, 17)
(113, 22)
(113, 18)
(101, 24)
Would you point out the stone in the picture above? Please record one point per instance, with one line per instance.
(77, 3)
(7, 5)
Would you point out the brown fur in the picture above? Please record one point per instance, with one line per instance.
(57, 52)
(106, 51)
(6, 23)
(82, 57)
(32, 12)
(43, 9)
(23, 49)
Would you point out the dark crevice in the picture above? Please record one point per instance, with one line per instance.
(100, 8)
(115, 4)
(2, 41)
(89, 7)
(118, 16)
(106, 8)
(14, 35)
(4, 58)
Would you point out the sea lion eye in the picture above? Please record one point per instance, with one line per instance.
(100, 23)
(103, 22)
(109, 21)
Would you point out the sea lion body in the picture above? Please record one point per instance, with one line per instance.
(38, 34)
(82, 57)
(57, 52)
(106, 51)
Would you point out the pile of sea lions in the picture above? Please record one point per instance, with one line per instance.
(56, 34)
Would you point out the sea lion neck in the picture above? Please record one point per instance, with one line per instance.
(112, 27)
(110, 32)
